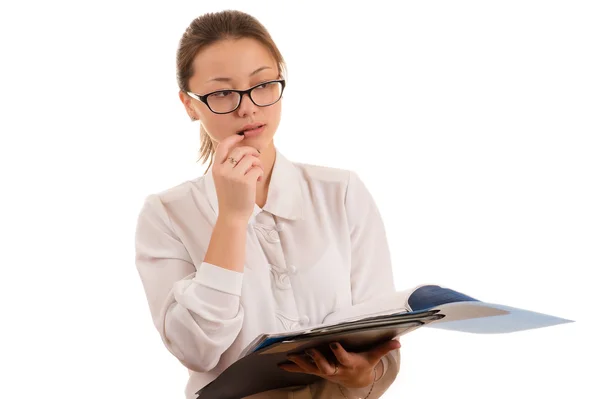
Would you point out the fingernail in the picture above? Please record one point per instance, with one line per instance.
(334, 346)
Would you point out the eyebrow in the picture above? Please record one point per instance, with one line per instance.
(220, 79)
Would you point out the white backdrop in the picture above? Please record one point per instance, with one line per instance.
(475, 124)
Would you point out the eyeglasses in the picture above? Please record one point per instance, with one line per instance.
(226, 101)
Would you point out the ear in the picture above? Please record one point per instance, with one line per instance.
(187, 103)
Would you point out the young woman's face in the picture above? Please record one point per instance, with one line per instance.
(235, 64)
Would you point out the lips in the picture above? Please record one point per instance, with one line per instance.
(253, 126)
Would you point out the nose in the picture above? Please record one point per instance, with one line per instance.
(247, 107)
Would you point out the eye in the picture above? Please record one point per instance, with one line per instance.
(222, 94)
(264, 85)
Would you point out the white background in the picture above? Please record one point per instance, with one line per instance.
(475, 124)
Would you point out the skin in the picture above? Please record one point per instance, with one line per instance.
(237, 60)
(241, 64)
(355, 370)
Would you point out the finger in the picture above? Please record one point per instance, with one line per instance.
(375, 354)
(304, 364)
(225, 146)
(235, 157)
(245, 164)
(239, 152)
(255, 173)
(241, 165)
(340, 353)
(324, 366)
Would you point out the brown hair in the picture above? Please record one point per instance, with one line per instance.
(208, 29)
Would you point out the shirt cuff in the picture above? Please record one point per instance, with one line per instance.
(385, 363)
(219, 278)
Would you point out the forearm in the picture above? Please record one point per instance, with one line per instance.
(203, 317)
(386, 373)
(227, 246)
(195, 307)
(206, 316)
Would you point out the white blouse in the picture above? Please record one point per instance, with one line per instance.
(316, 246)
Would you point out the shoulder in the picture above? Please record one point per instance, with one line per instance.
(180, 191)
(165, 198)
(346, 180)
(325, 174)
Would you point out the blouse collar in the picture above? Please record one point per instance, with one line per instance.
(284, 198)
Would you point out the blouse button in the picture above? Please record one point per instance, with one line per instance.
(292, 269)
(304, 320)
(279, 226)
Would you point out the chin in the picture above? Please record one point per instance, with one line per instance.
(264, 137)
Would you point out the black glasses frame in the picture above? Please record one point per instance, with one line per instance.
(204, 98)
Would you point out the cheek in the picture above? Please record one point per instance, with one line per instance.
(274, 114)
(218, 126)
(221, 126)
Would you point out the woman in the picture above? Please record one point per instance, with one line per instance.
(258, 244)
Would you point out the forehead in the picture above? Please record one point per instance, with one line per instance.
(233, 58)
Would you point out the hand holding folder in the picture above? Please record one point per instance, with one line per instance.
(364, 326)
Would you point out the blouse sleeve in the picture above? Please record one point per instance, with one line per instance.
(371, 267)
(196, 310)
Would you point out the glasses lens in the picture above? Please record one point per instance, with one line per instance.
(267, 94)
(223, 101)
(226, 101)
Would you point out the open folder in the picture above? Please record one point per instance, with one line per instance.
(364, 326)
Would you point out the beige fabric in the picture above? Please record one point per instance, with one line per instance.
(317, 245)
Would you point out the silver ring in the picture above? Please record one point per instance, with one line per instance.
(336, 369)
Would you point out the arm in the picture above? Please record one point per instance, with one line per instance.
(197, 312)
(371, 269)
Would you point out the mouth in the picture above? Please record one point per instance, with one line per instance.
(251, 130)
